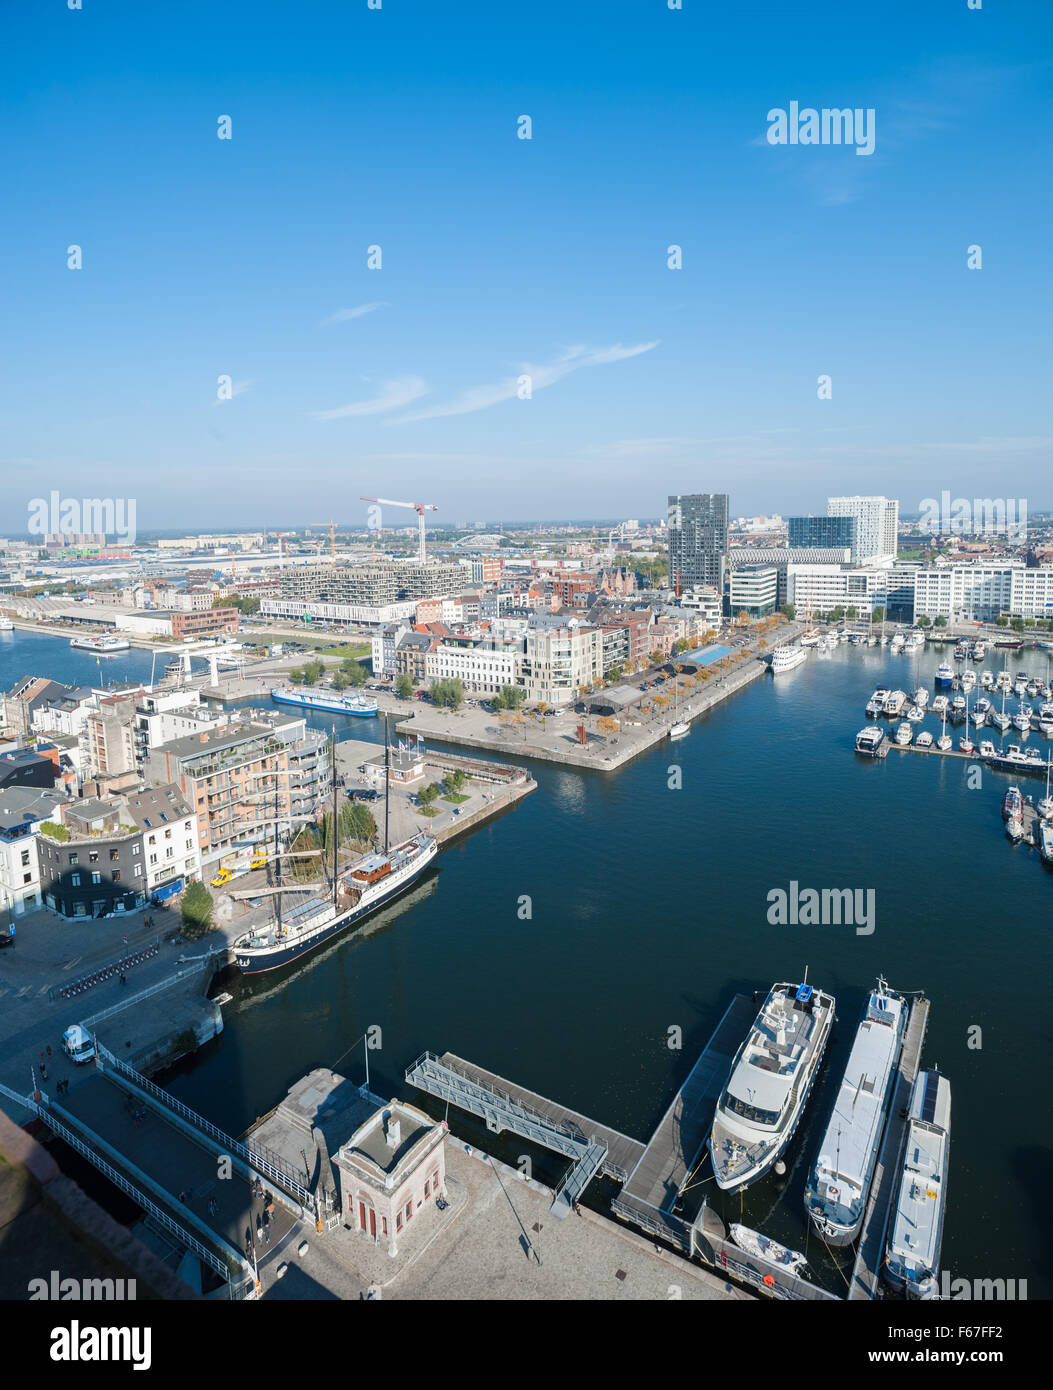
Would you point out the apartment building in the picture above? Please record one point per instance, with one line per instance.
(983, 590)
(877, 526)
(239, 780)
(753, 590)
(382, 591)
(109, 734)
(95, 867)
(707, 602)
(170, 842)
(483, 667)
(559, 662)
(22, 811)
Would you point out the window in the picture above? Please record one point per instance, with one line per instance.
(409, 1211)
(136, 849)
(427, 1189)
(93, 856)
(116, 875)
(96, 878)
(27, 878)
(73, 859)
(153, 859)
(169, 853)
(75, 880)
(114, 855)
(398, 1222)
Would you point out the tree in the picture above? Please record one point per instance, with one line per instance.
(607, 726)
(404, 685)
(1002, 621)
(428, 794)
(837, 613)
(312, 672)
(852, 612)
(340, 680)
(1017, 624)
(742, 617)
(681, 645)
(940, 621)
(448, 693)
(789, 610)
(511, 696)
(196, 911)
(657, 657)
(924, 621)
(353, 821)
(353, 670)
(614, 674)
(878, 615)
(454, 781)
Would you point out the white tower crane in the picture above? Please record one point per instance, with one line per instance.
(419, 507)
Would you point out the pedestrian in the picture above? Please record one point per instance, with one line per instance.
(43, 1071)
(259, 1229)
(123, 980)
(49, 1049)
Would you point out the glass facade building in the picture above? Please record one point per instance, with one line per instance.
(698, 539)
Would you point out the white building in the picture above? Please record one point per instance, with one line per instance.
(297, 609)
(821, 588)
(959, 593)
(483, 669)
(169, 828)
(144, 624)
(877, 526)
(22, 810)
(384, 643)
(1032, 593)
(559, 661)
(706, 601)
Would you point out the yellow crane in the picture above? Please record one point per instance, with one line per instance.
(332, 535)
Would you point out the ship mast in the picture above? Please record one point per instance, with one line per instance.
(387, 779)
(335, 818)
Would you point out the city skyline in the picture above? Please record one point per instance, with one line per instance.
(247, 259)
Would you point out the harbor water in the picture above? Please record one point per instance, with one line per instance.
(586, 944)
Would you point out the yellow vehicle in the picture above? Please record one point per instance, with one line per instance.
(258, 861)
(224, 876)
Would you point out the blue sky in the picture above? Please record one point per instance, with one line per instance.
(351, 127)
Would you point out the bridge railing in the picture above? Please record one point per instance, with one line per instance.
(256, 1155)
(185, 1239)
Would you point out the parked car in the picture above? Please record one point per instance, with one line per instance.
(364, 795)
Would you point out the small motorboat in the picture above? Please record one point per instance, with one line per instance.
(756, 1244)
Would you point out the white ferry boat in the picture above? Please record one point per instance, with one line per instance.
(770, 1081)
(332, 700)
(836, 1192)
(102, 645)
(787, 659)
(373, 882)
(912, 1254)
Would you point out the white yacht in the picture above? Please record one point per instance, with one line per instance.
(924, 739)
(987, 748)
(921, 697)
(1022, 718)
(987, 680)
(979, 650)
(1004, 682)
(870, 740)
(904, 734)
(787, 659)
(940, 704)
(968, 678)
(898, 642)
(105, 646)
(915, 715)
(944, 673)
(770, 1081)
(6, 625)
(895, 702)
(915, 1236)
(835, 1194)
(1045, 842)
(1020, 684)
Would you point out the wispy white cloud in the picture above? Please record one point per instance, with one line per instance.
(360, 311)
(393, 396)
(572, 360)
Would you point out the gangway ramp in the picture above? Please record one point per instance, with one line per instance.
(593, 1148)
(870, 1252)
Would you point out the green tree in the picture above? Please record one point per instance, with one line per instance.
(852, 612)
(789, 611)
(1017, 624)
(681, 645)
(428, 794)
(1002, 621)
(340, 680)
(511, 696)
(196, 909)
(657, 657)
(939, 621)
(614, 674)
(449, 694)
(923, 621)
(837, 613)
(404, 685)
(354, 671)
(878, 615)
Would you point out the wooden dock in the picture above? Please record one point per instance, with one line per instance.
(676, 1144)
(871, 1249)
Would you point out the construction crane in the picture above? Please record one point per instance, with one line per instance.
(332, 535)
(419, 507)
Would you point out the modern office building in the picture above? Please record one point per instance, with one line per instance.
(698, 539)
(810, 532)
(753, 590)
(979, 591)
(877, 526)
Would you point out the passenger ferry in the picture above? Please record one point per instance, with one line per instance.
(332, 700)
(835, 1195)
(374, 881)
(915, 1237)
(102, 645)
(787, 659)
(770, 1081)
